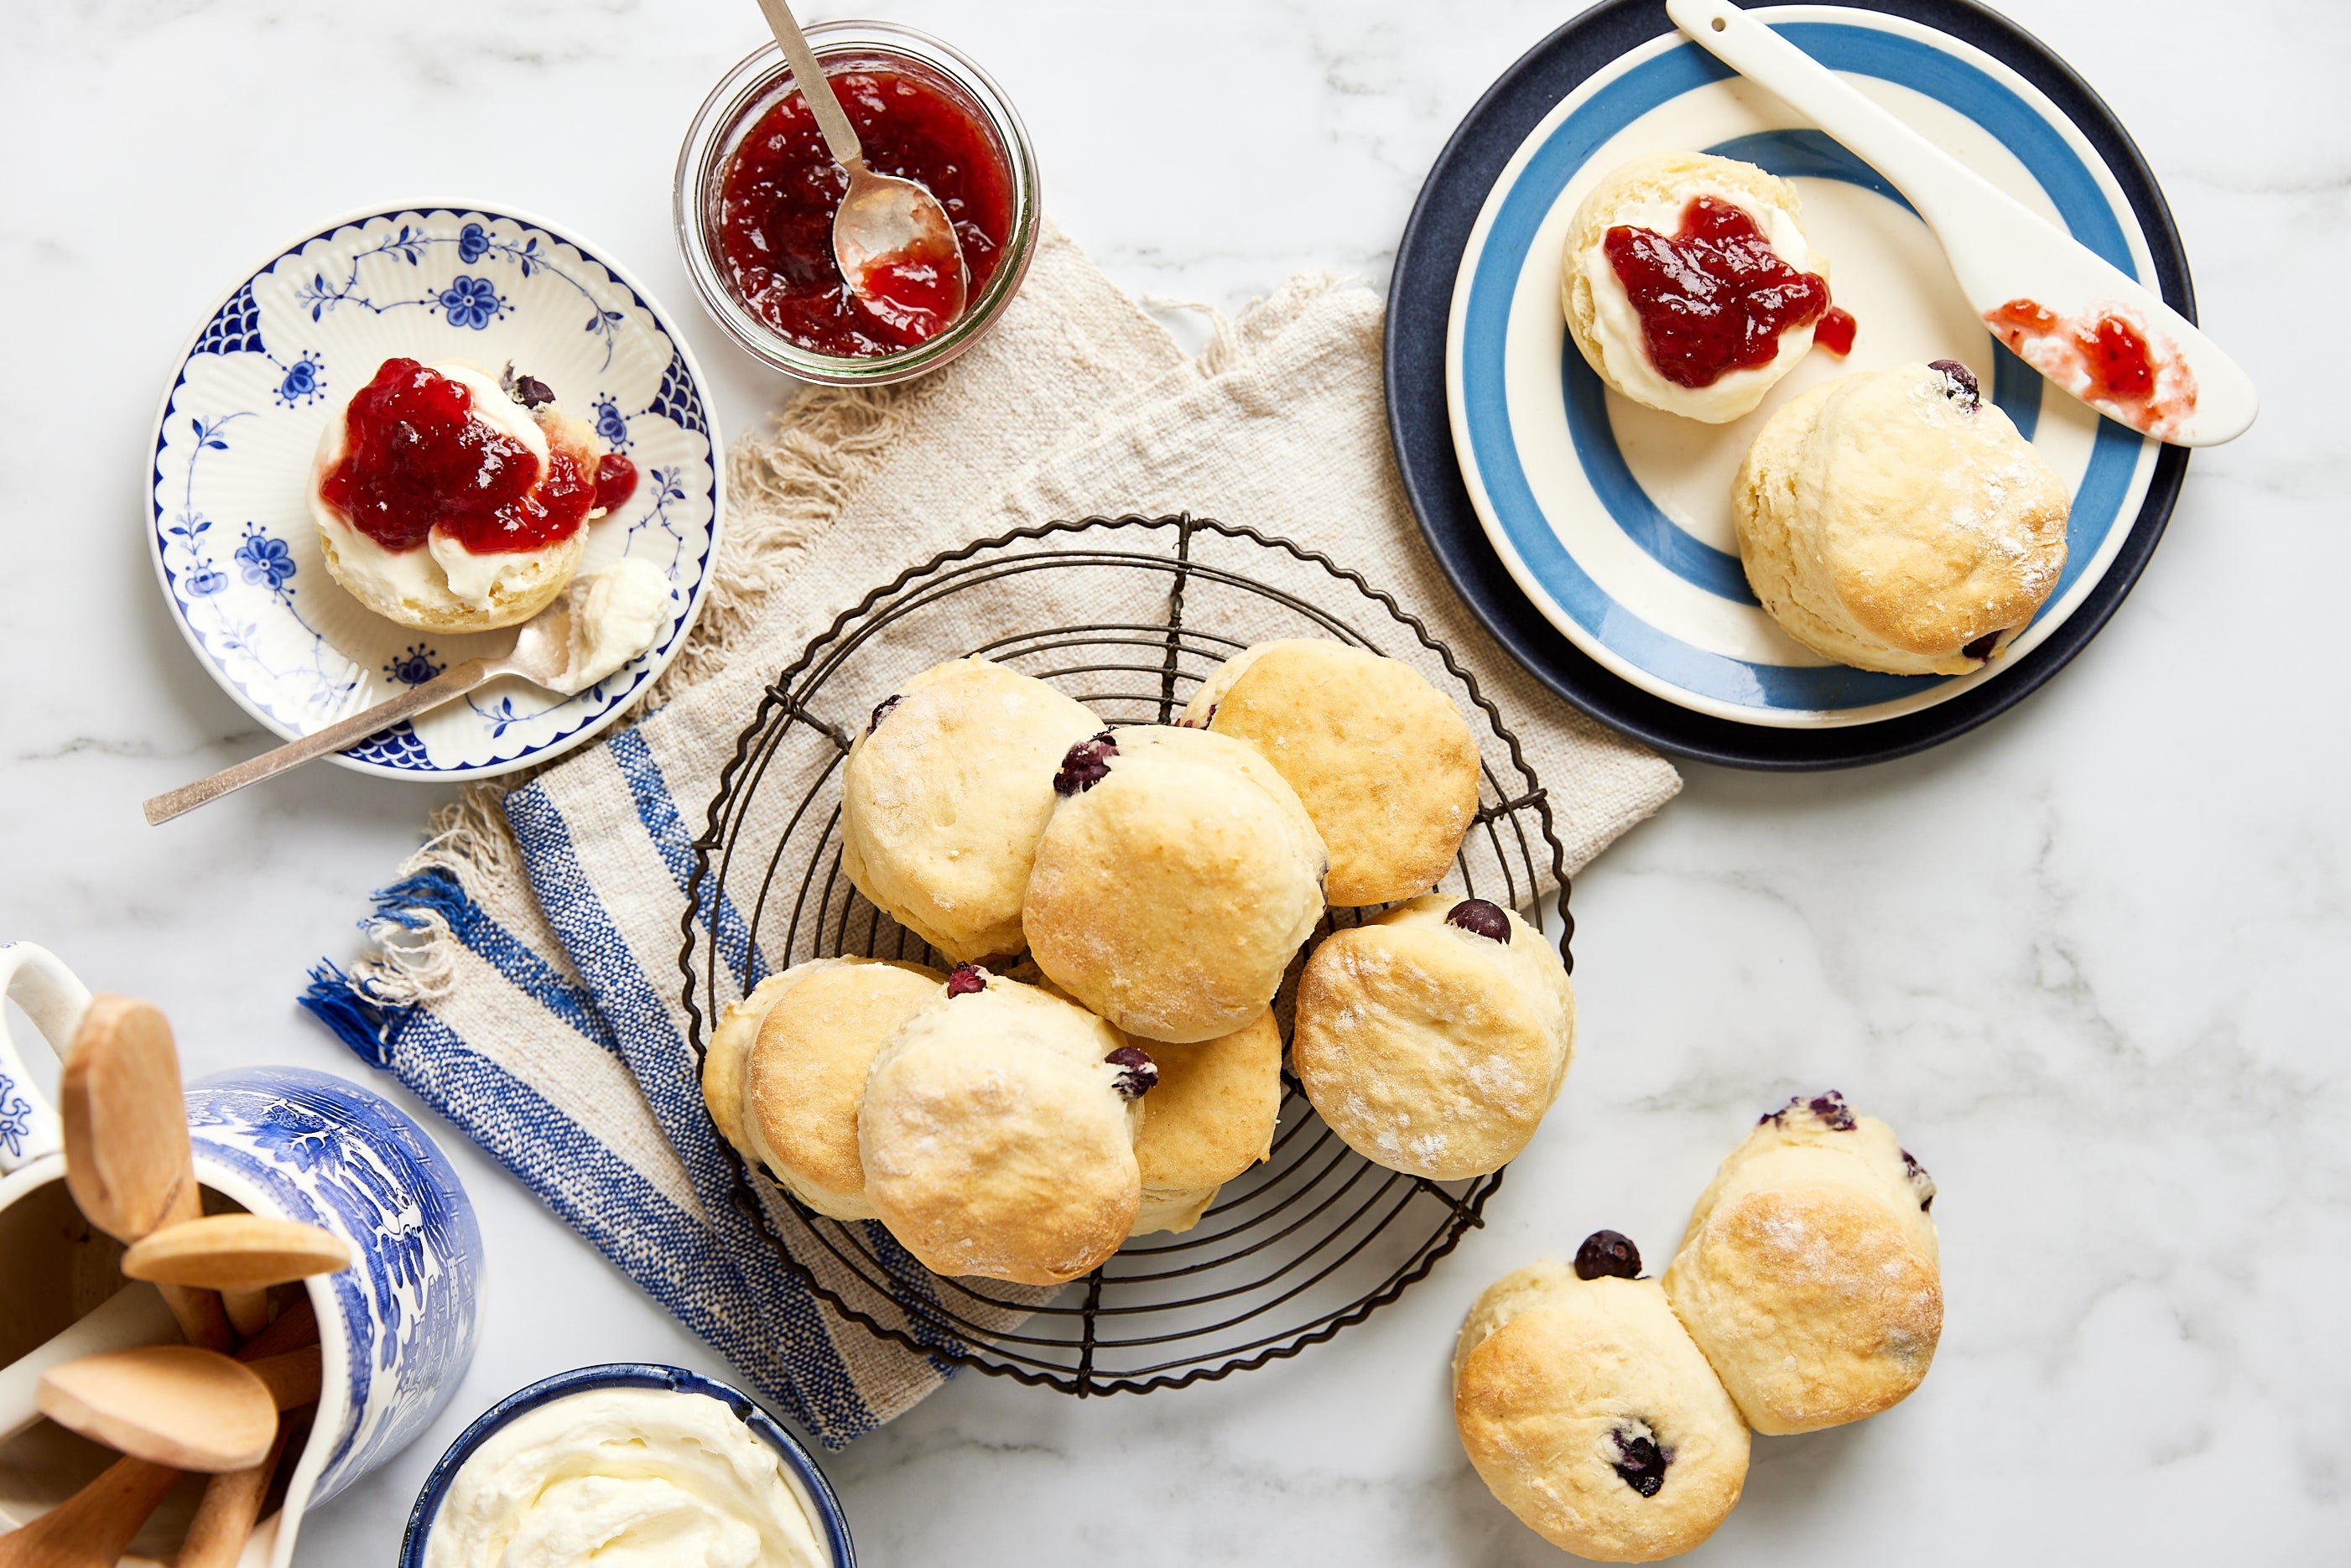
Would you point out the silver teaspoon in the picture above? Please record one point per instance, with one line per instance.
(896, 248)
(541, 655)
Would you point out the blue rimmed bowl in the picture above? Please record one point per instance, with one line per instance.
(808, 1483)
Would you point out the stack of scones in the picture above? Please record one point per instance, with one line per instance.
(1119, 908)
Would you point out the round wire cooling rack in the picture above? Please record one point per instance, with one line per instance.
(1128, 615)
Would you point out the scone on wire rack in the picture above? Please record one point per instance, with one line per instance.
(1897, 521)
(1212, 1116)
(786, 1065)
(1383, 761)
(944, 795)
(1590, 1414)
(997, 1133)
(1433, 1039)
(1177, 880)
(1809, 1274)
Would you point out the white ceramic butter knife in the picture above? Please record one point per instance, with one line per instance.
(2066, 312)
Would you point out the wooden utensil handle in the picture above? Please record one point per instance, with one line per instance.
(293, 1329)
(202, 1319)
(95, 1525)
(292, 1376)
(225, 1516)
(248, 1310)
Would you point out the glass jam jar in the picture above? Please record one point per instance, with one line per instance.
(762, 82)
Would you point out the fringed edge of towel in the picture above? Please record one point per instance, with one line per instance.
(786, 487)
(411, 959)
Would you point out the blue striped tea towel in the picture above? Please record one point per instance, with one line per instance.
(524, 978)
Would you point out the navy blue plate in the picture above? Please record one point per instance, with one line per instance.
(1419, 304)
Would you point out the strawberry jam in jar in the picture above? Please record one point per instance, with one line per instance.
(756, 191)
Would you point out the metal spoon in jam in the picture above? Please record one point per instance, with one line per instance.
(896, 248)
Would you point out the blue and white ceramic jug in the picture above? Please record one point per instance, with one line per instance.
(396, 1329)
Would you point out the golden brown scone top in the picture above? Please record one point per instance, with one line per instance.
(1558, 1385)
(995, 1138)
(1383, 761)
(1174, 885)
(1809, 1272)
(945, 793)
(806, 1072)
(1211, 1116)
(1431, 1049)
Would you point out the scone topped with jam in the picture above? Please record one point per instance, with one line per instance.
(1689, 285)
(449, 501)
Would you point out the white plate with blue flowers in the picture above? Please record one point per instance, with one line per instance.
(234, 547)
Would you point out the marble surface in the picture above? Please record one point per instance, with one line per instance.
(2078, 957)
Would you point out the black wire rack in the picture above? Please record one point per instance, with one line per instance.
(1128, 615)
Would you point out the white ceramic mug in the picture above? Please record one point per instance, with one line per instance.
(30, 1138)
(396, 1329)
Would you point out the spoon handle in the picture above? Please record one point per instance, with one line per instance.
(224, 1519)
(840, 136)
(452, 683)
(1915, 166)
(95, 1525)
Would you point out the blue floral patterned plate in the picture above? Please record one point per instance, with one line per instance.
(234, 547)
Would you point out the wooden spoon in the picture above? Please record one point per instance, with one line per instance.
(171, 1403)
(239, 1255)
(132, 1316)
(93, 1528)
(128, 1162)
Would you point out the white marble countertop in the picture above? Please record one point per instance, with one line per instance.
(2077, 958)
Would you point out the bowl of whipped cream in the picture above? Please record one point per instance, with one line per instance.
(626, 1462)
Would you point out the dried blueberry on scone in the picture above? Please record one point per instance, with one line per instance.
(1213, 1108)
(1689, 285)
(787, 1066)
(998, 1138)
(1383, 761)
(1433, 1039)
(943, 798)
(1809, 1274)
(1590, 1414)
(1897, 521)
(1177, 877)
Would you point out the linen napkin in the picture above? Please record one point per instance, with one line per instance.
(523, 977)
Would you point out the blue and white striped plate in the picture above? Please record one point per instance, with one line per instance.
(1615, 519)
(235, 548)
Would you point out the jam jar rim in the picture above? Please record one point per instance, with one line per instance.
(700, 163)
